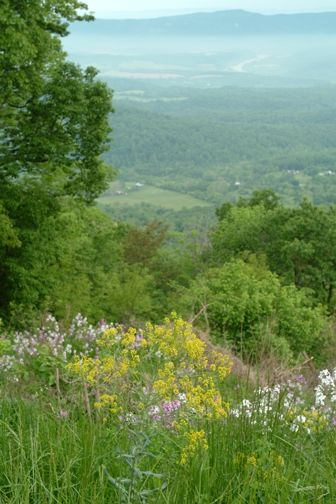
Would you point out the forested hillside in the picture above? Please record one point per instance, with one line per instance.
(222, 144)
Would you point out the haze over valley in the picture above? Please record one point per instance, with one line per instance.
(215, 105)
(206, 49)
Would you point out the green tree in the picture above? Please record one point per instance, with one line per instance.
(298, 243)
(141, 245)
(245, 304)
(266, 198)
(53, 114)
(53, 130)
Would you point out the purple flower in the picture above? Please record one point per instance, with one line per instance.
(138, 340)
(154, 413)
(63, 413)
(171, 406)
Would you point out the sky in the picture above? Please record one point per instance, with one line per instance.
(148, 8)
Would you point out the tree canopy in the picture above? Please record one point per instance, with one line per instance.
(299, 243)
(53, 130)
(53, 114)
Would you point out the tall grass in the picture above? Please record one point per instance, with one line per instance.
(49, 459)
(109, 415)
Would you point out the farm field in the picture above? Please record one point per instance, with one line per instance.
(151, 195)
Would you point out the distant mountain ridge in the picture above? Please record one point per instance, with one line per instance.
(231, 22)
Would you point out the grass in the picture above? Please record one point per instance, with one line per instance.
(45, 459)
(152, 195)
(96, 439)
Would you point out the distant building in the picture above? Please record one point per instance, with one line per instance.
(326, 173)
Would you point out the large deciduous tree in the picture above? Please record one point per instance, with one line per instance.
(53, 130)
(53, 114)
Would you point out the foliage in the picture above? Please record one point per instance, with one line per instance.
(243, 301)
(142, 244)
(53, 114)
(163, 373)
(131, 489)
(298, 243)
(79, 259)
(60, 267)
(54, 128)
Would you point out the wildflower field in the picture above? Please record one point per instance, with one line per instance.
(113, 414)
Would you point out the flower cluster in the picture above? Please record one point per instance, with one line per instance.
(263, 465)
(7, 362)
(195, 442)
(325, 392)
(49, 336)
(162, 374)
(291, 404)
(49, 346)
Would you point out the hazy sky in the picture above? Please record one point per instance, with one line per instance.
(143, 8)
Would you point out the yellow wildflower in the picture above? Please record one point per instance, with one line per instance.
(196, 440)
(251, 460)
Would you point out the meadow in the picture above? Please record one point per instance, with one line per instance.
(157, 415)
(118, 195)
